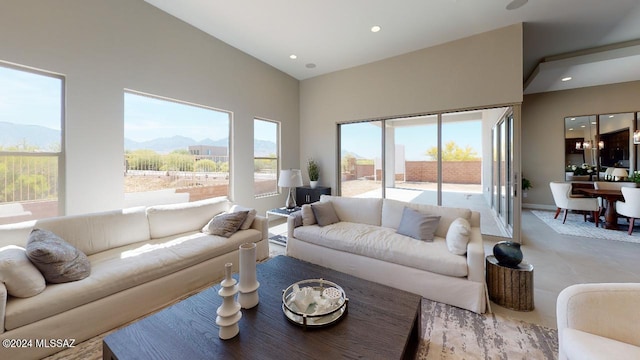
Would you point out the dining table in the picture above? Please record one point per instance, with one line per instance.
(610, 196)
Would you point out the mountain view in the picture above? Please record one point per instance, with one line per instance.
(44, 138)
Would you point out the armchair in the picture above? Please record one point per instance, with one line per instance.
(599, 321)
(630, 207)
(561, 192)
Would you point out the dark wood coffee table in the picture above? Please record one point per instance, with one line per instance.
(381, 323)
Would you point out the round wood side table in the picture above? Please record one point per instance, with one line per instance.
(510, 287)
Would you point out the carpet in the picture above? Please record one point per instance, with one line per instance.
(576, 226)
(452, 333)
(449, 333)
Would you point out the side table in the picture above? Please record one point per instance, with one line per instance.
(511, 287)
(282, 212)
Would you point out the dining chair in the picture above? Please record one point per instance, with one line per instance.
(561, 192)
(630, 207)
(609, 185)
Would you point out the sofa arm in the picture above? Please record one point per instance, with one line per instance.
(475, 256)
(3, 305)
(260, 224)
(293, 221)
(609, 310)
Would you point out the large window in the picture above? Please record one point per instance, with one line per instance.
(31, 115)
(174, 151)
(266, 152)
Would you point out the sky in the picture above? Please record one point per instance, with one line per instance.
(28, 98)
(364, 139)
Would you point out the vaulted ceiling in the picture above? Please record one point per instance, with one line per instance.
(331, 35)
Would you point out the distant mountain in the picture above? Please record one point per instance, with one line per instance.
(344, 153)
(264, 148)
(16, 134)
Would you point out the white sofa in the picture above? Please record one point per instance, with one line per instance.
(141, 260)
(365, 244)
(599, 321)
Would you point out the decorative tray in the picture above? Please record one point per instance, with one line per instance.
(314, 303)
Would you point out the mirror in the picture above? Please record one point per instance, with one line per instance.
(581, 158)
(616, 141)
(595, 143)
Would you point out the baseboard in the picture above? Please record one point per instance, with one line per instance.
(539, 207)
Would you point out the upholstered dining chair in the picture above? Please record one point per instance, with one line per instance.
(561, 192)
(610, 185)
(630, 207)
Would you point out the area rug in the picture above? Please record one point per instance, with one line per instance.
(450, 333)
(576, 226)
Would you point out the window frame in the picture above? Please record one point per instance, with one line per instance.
(61, 153)
(277, 158)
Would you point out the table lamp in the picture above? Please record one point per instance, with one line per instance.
(291, 179)
(619, 174)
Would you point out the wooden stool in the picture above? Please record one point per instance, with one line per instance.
(510, 287)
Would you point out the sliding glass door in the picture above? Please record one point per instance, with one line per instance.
(360, 149)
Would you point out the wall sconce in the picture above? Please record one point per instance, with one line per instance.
(579, 145)
(601, 144)
(636, 137)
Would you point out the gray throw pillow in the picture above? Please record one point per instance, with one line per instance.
(57, 260)
(225, 224)
(418, 225)
(324, 213)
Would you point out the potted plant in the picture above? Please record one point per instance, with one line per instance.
(314, 173)
(526, 185)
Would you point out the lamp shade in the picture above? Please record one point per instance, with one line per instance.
(620, 173)
(290, 178)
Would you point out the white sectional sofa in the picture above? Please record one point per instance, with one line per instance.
(141, 260)
(599, 321)
(365, 243)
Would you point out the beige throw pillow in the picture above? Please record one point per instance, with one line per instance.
(250, 216)
(307, 215)
(458, 236)
(57, 260)
(21, 278)
(324, 213)
(225, 224)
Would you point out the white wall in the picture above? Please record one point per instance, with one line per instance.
(543, 130)
(478, 71)
(103, 47)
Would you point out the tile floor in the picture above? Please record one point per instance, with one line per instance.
(559, 261)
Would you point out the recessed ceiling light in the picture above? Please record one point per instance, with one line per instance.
(310, 65)
(583, 125)
(593, 123)
(293, 56)
(610, 116)
(572, 119)
(375, 28)
(515, 4)
(567, 78)
(570, 129)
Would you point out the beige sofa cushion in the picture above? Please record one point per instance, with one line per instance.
(122, 268)
(386, 245)
(357, 210)
(19, 275)
(392, 214)
(93, 233)
(167, 220)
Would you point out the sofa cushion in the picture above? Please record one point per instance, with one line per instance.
(357, 210)
(251, 215)
(96, 232)
(18, 274)
(392, 214)
(122, 268)
(324, 213)
(57, 260)
(167, 220)
(458, 236)
(418, 225)
(307, 215)
(225, 224)
(386, 245)
(578, 344)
